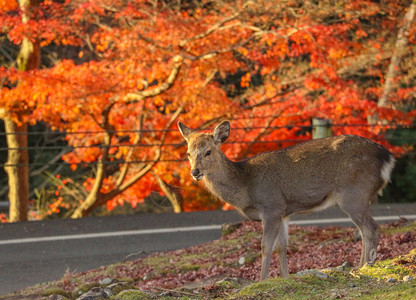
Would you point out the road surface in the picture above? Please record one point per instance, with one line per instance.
(35, 252)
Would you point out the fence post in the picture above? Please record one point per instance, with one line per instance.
(321, 128)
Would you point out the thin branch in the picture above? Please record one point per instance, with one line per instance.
(125, 168)
(172, 193)
(7, 55)
(213, 53)
(268, 100)
(135, 97)
(209, 78)
(262, 132)
(116, 191)
(48, 164)
(87, 41)
(209, 30)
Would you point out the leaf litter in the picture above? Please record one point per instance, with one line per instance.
(214, 269)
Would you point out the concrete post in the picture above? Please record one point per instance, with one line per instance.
(321, 128)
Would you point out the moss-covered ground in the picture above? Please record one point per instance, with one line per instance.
(228, 268)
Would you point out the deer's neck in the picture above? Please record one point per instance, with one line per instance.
(227, 183)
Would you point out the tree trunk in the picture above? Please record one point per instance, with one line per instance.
(399, 50)
(17, 167)
(17, 170)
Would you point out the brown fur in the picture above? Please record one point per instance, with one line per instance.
(345, 170)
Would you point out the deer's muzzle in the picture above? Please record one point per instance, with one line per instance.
(196, 174)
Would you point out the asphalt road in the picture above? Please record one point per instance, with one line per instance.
(35, 252)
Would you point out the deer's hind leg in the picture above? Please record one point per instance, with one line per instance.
(369, 229)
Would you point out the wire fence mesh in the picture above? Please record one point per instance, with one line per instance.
(411, 139)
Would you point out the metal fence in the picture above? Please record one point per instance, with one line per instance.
(66, 148)
(59, 147)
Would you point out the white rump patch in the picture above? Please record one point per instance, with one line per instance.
(386, 172)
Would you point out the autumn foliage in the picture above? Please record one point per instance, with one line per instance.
(122, 72)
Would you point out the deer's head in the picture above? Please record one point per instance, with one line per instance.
(204, 152)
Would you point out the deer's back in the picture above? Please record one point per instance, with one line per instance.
(307, 173)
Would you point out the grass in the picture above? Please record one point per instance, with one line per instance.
(338, 285)
(397, 268)
(213, 271)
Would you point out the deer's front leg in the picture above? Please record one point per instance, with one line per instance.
(275, 232)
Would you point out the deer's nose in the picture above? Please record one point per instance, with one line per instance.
(196, 174)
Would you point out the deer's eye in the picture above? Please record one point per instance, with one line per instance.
(208, 153)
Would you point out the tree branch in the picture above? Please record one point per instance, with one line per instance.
(262, 133)
(209, 30)
(125, 168)
(172, 193)
(135, 97)
(147, 167)
(57, 157)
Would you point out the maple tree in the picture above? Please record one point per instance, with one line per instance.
(15, 126)
(135, 67)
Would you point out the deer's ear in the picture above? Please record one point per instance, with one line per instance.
(184, 130)
(221, 132)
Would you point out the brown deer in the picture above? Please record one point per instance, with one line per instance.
(347, 170)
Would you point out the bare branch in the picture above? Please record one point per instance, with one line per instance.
(147, 167)
(262, 133)
(135, 97)
(210, 30)
(172, 193)
(48, 164)
(125, 168)
(268, 100)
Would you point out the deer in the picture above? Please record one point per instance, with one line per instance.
(347, 170)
